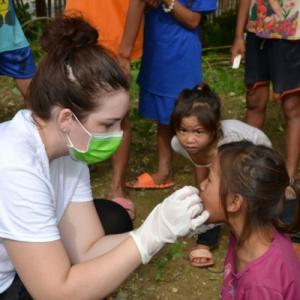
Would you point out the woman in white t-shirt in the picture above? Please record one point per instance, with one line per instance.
(199, 133)
(50, 233)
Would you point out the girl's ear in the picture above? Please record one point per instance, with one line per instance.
(234, 203)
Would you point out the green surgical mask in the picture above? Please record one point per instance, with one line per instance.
(100, 146)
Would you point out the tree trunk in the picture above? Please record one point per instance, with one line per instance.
(49, 8)
(41, 8)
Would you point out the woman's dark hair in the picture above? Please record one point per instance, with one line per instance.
(202, 103)
(75, 71)
(259, 175)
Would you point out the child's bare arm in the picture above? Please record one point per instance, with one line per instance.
(238, 46)
(276, 7)
(132, 25)
(200, 175)
(182, 14)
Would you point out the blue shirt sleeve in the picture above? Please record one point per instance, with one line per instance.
(204, 6)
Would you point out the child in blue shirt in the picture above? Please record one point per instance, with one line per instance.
(171, 62)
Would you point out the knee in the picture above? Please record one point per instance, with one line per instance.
(254, 106)
(114, 218)
(291, 106)
(254, 102)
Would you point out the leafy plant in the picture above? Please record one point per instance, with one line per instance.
(175, 251)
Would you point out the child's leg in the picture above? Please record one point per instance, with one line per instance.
(119, 164)
(291, 109)
(286, 82)
(285, 76)
(22, 85)
(256, 104)
(257, 77)
(120, 160)
(210, 238)
(164, 171)
(158, 108)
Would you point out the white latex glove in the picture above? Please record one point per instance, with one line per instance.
(178, 215)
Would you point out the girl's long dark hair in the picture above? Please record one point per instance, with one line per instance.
(259, 175)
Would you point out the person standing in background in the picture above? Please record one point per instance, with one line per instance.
(171, 62)
(16, 59)
(272, 55)
(109, 17)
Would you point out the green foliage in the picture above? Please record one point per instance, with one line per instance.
(33, 30)
(222, 78)
(22, 11)
(32, 27)
(134, 90)
(219, 31)
(174, 251)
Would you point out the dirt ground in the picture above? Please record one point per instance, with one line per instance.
(169, 275)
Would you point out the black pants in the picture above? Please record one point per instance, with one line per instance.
(114, 219)
(290, 207)
(210, 238)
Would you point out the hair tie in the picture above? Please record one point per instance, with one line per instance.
(70, 74)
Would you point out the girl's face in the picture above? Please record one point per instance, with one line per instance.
(192, 135)
(210, 194)
(104, 119)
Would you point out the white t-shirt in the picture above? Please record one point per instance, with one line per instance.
(33, 192)
(233, 131)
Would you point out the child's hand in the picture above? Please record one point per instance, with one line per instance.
(276, 7)
(153, 3)
(125, 66)
(237, 48)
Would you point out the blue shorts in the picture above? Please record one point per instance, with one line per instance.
(155, 107)
(18, 64)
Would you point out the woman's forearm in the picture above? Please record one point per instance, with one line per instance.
(48, 274)
(104, 245)
(97, 278)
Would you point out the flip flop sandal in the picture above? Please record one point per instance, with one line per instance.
(198, 253)
(127, 204)
(145, 181)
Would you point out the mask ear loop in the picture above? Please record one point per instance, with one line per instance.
(68, 138)
(85, 130)
(71, 145)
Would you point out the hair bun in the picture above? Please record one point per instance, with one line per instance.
(65, 34)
